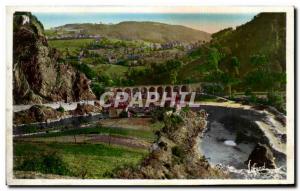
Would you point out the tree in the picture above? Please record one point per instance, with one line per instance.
(223, 78)
(235, 63)
(84, 68)
(98, 89)
(228, 80)
(259, 60)
(214, 57)
(262, 77)
(104, 79)
(173, 77)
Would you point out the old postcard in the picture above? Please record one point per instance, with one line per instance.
(150, 96)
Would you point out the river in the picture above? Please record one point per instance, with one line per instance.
(218, 145)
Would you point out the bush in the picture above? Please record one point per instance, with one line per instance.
(248, 92)
(28, 129)
(186, 109)
(97, 89)
(178, 151)
(172, 123)
(61, 109)
(84, 68)
(48, 163)
(158, 114)
(123, 114)
(175, 119)
(214, 89)
(276, 100)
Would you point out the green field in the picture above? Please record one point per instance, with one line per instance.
(81, 152)
(76, 160)
(71, 44)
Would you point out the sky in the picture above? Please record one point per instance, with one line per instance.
(208, 22)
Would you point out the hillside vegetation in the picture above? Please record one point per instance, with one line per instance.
(263, 35)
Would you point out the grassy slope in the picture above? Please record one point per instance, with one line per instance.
(97, 159)
(141, 134)
(148, 31)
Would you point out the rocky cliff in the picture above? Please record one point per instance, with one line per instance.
(175, 154)
(39, 74)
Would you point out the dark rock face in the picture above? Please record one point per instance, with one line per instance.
(38, 74)
(261, 156)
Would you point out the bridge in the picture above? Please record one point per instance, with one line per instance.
(169, 89)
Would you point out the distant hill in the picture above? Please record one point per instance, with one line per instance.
(131, 30)
(265, 34)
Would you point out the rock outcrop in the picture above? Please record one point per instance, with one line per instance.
(175, 154)
(40, 113)
(261, 156)
(83, 109)
(39, 74)
(36, 113)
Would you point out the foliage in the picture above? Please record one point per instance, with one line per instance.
(172, 122)
(123, 114)
(259, 61)
(61, 109)
(276, 99)
(186, 109)
(213, 89)
(224, 78)
(28, 129)
(158, 113)
(261, 77)
(48, 162)
(98, 89)
(235, 64)
(84, 68)
(178, 151)
(156, 73)
(82, 160)
(214, 57)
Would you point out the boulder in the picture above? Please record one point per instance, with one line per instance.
(261, 156)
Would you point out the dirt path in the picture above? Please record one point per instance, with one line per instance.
(130, 123)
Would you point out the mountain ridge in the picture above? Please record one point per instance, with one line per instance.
(135, 30)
